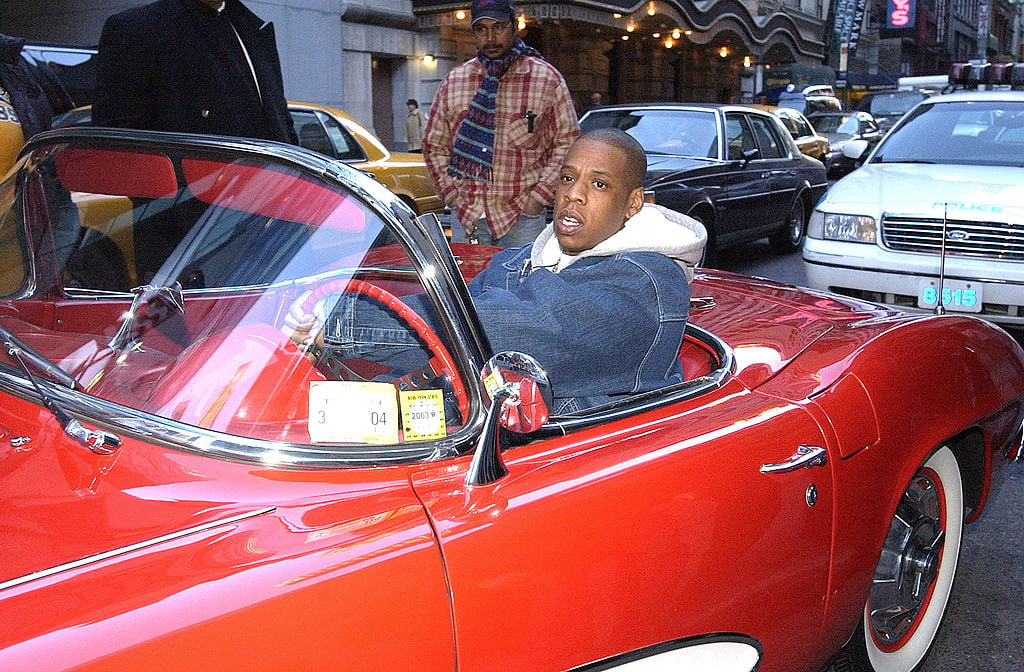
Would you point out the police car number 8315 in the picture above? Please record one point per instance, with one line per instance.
(956, 295)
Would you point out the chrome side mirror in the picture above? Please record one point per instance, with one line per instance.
(520, 395)
(522, 386)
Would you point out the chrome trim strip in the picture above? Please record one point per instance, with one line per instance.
(106, 555)
(144, 426)
(634, 660)
(846, 267)
(391, 271)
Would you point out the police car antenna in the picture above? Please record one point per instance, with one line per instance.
(940, 308)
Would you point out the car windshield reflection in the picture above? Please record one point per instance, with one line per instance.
(691, 133)
(973, 133)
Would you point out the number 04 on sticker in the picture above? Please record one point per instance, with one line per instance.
(342, 411)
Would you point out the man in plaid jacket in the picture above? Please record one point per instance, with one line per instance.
(499, 128)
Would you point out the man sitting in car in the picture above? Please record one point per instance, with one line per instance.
(600, 298)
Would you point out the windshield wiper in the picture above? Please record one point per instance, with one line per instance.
(98, 441)
(882, 159)
(26, 354)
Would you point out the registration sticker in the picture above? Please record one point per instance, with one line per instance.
(344, 411)
(957, 295)
(422, 414)
(493, 382)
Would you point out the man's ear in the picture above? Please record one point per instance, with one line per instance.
(635, 202)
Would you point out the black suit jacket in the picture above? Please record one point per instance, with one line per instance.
(168, 66)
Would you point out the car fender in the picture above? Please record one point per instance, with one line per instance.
(686, 199)
(880, 428)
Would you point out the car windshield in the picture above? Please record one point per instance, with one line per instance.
(160, 277)
(893, 104)
(675, 132)
(836, 124)
(968, 132)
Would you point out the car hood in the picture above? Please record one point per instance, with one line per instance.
(663, 169)
(61, 510)
(904, 187)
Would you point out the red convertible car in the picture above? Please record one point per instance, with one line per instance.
(181, 488)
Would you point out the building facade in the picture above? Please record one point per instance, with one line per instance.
(369, 56)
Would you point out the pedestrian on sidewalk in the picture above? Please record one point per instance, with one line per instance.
(415, 122)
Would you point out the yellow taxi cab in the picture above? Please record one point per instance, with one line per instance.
(810, 142)
(332, 132)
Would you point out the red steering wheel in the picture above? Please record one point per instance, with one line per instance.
(440, 361)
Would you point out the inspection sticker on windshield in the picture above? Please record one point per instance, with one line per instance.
(957, 295)
(343, 411)
(422, 414)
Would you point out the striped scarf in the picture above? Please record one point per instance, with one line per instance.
(473, 149)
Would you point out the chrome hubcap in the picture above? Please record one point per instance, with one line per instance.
(909, 562)
(796, 224)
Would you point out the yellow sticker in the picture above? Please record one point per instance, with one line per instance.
(423, 414)
(492, 382)
(343, 411)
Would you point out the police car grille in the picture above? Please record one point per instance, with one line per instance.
(989, 240)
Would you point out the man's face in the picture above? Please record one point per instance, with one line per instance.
(593, 199)
(493, 38)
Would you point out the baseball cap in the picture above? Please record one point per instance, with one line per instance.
(499, 10)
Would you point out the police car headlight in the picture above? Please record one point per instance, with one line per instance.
(849, 228)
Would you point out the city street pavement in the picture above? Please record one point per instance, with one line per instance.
(984, 627)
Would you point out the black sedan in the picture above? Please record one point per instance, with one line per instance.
(735, 168)
(840, 128)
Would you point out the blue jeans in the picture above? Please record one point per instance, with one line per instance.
(524, 231)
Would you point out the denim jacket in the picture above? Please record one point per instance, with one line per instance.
(605, 323)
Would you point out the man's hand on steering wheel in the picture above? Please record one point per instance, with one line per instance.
(305, 329)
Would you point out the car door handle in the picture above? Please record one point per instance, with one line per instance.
(805, 457)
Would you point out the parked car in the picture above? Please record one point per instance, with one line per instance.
(811, 142)
(182, 487)
(935, 213)
(810, 99)
(887, 107)
(840, 128)
(336, 134)
(332, 132)
(733, 167)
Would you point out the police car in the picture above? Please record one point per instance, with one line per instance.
(934, 218)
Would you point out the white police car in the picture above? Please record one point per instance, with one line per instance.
(935, 215)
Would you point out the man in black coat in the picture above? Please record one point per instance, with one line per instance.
(194, 66)
(21, 85)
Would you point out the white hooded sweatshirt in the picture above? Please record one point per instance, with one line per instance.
(654, 229)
